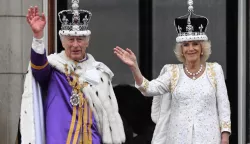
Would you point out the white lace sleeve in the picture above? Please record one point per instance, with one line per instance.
(38, 45)
(222, 101)
(155, 87)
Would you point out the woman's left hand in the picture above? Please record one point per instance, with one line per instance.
(225, 138)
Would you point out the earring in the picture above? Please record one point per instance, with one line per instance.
(202, 53)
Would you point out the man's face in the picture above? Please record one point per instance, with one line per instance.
(75, 46)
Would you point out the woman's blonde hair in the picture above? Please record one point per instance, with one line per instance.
(205, 49)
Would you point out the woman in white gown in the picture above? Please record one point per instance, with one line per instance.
(199, 109)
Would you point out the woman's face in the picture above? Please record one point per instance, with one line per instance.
(191, 51)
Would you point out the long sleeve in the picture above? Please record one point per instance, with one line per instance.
(223, 104)
(39, 63)
(157, 86)
(38, 46)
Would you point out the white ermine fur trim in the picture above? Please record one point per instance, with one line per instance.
(191, 38)
(31, 117)
(100, 95)
(75, 33)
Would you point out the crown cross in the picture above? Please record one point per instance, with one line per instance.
(76, 18)
(189, 28)
(65, 20)
(179, 29)
(85, 21)
(200, 28)
(190, 5)
(75, 1)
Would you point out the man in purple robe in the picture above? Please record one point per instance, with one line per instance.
(80, 105)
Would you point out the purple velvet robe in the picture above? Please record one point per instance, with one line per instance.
(57, 107)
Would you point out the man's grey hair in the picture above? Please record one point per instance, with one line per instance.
(62, 37)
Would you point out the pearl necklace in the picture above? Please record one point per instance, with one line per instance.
(194, 74)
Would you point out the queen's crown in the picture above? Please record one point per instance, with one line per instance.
(191, 26)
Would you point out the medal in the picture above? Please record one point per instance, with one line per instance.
(74, 99)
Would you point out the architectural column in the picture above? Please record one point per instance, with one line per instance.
(15, 44)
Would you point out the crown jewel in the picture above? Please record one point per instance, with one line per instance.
(191, 26)
(74, 22)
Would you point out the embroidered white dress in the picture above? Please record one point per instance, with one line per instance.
(199, 111)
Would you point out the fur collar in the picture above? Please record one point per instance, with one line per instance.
(87, 70)
(103, 105)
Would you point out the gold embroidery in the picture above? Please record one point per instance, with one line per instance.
(89, 126)
(144, 85)
(79, 124)
(212, 74)
(225, 125)
(85, 126)
(72, 125)
(39, 67)
(174, 77)
(82, 114)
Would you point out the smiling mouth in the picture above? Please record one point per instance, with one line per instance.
(76, 51)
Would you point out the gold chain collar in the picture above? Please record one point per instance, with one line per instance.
(77, 95)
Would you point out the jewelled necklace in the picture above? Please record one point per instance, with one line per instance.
(194, 74)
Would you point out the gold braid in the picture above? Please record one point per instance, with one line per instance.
(82, 110)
